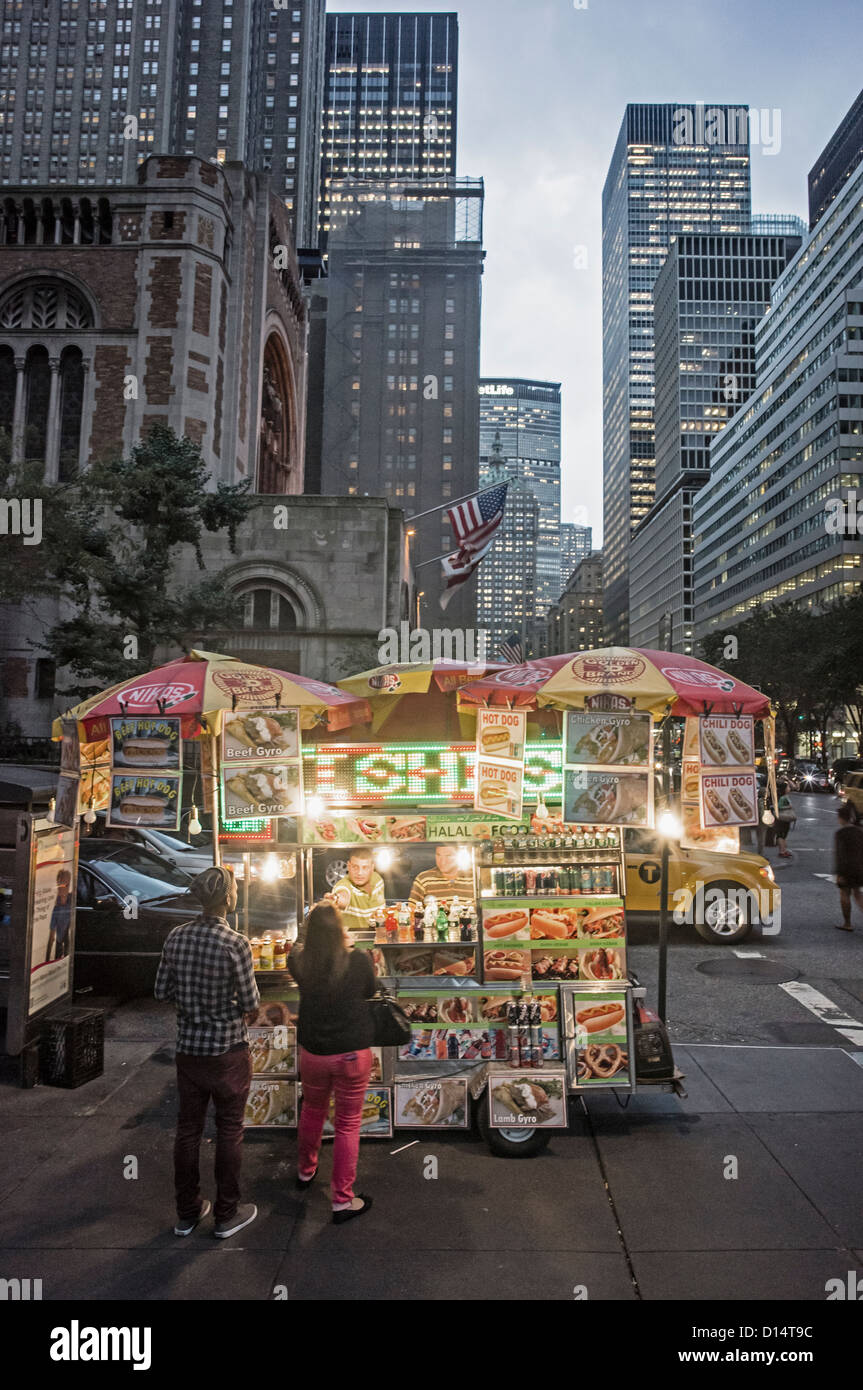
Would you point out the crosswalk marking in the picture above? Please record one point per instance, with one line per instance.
(824, 1009)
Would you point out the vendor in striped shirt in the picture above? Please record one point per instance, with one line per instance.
(446, 880)
(360, 895)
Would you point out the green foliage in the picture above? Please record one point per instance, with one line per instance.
(110, 539)
(810, 664)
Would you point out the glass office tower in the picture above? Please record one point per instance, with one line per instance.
(675, 169)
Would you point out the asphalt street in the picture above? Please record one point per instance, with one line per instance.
(734, 994)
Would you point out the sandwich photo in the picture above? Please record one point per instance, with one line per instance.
(609, 800)
(146, 752)
(601, 964)
(716, 806)
(457, 1010)
(506, 965)
(261, 730)
(508, 922)
(495, 740)
(494, 795)
(598, 1018)
(738, 748)
(438, 1103)
(369, 830)
(406, 828)
(524, 1098)
(144, 810)
(741, 804)
(550, 924)
(714, 747)
(450, 963)
(624, 742)
(602, 923)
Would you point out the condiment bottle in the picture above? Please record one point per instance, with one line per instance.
(267, 953)
(404, 920)
(255, 944)
(280, 953)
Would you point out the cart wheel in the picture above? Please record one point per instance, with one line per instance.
(510, 1143)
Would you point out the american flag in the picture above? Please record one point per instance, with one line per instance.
(511, 650)
(474, 523)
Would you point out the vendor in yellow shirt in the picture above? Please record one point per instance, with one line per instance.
(445, 881)
(360, 895)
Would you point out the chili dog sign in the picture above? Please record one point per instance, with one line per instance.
(725, 742)
(729, 798)
(500, 742)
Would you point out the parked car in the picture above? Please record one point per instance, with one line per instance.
(852, 790)
(193, 858)
(129, 899)
(843, 766)
(738, 890)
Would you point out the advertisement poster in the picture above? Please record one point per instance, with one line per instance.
(262, 790)
(70, 748)
(505, 922)
(607, 740)
(377, 1117)
(721, 839)
(440, 1104)
(94, 788)
(257, 735)
(729, 798)
(144, 743)
(52, 923)
(501, 734)
(271, 1105)
(727, 742)
(470, 1043)
(273, 1050)
(145, 799)
(499, 788)
(594, 797)
(473, 1008)
(66, 800)
(690, 787)
(593, 963)
(601, 1039)
(529, 1100)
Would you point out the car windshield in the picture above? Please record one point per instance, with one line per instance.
(130, 870)
(172, 843)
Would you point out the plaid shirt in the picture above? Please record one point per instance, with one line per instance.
(206, 968)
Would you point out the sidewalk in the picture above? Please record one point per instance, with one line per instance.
(792, 1118)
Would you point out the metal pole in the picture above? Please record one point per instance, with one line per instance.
(217, 817)
(662, 985)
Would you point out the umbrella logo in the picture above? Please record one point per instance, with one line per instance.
(145, 696)
(389, 681)
(248, 685)
(609, 670)
(714, 679)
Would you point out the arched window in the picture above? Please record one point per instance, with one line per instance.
(7, 401)
(269, 610)
(71, 409)
(275, 462)
(38, 371)
(44, 305)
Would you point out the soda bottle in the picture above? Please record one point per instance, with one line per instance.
(441, 1045)
(512, 1033)
(418, 924)
(442, 924)
(404, 921)
(391, 927)
(536, 1053)
(485, 1048)
(524, 1034)
(453, 920)
(452, 1047)
(464, 923)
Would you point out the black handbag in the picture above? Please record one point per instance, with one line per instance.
(390, 1022)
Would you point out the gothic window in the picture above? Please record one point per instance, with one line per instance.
(275, 447)
(39, 305)
(38, 394)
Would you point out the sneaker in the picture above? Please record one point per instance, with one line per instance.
(844, 926)
(303, 1183)
(348, 1213)
(185, 1228)
(245, 1215)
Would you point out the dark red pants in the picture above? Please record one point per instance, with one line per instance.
(225, 1080)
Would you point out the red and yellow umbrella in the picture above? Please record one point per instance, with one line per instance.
(201, 686)
(418, 694)
(661, 682)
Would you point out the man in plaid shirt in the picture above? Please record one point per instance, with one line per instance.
(206, 969)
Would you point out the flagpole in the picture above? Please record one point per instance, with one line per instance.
(445, 506)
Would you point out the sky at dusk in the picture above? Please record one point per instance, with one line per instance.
(542, 90)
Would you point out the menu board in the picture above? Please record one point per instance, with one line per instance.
(607, 739)
(438, 1104)
(600, 1030)
(481, 1036)
(527, 1100)
(585, 939)
(265, 789)
(273, 1050)
(271, 1104)
(377, 1115)
(146, 743)
(729, 798)
(145, 799)
(257, 735)
(595, 796)
(500, 747)
(726, 742)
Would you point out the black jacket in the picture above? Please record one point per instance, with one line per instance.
(848, 859)
(337, 1018)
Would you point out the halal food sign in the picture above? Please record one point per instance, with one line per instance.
(414, 773)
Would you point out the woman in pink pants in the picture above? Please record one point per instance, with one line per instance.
(335, 1035)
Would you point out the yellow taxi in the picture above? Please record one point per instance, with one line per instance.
(852, 790)
(721, 895)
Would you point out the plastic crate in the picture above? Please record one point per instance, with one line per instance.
(73, 1047)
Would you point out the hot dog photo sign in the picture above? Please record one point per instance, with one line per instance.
(729, 798)
(725, 742)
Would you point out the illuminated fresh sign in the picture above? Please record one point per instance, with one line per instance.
(417, 772)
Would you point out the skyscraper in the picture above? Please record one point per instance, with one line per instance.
(795, 445)
(576, 544)
(402, 357)
(89, 91)
(709, 298)
(508, 578)
(675, 169)
(390, 106)
(526, 416)
(836, 162)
